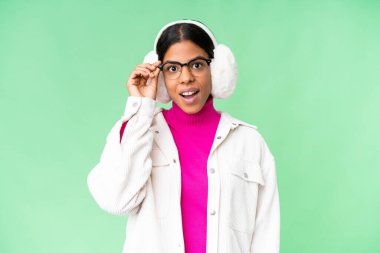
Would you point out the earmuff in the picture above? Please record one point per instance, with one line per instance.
(223, 66)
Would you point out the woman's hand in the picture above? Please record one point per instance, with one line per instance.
(137, 81)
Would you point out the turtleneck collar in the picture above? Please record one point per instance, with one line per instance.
(206, 115)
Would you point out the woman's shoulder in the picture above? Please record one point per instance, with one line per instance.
(237, 122)
(243, 129)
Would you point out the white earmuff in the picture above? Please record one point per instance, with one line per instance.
(223, 72)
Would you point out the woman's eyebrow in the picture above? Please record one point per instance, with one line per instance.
(172, 61)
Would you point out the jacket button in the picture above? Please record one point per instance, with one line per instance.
(213, 212)
(174, 161)
(219, 137)
(157, 132)
(212, 170)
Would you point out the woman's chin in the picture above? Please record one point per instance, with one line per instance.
(190, 105)
(190, 109)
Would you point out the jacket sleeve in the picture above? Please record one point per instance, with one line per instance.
(266, 237)
(118, 181)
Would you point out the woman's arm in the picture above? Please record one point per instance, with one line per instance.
(266, 237)
(118, 181)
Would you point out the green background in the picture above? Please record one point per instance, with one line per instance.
(308, 78)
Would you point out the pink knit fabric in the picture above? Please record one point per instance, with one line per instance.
(193, 135)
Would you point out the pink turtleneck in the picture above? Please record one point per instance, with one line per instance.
(193, 135)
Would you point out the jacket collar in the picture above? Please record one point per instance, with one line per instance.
(165, 141)
(225, 119)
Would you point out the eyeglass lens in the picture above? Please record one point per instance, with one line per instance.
(197, 67)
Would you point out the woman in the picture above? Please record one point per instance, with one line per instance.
(190, 179)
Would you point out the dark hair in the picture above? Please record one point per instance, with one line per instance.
(184, 31)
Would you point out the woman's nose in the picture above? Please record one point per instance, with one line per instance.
(186, 76)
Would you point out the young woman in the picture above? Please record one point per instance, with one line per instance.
(190, 179)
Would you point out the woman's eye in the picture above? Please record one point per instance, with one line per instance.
(197, 65)
(171, 68)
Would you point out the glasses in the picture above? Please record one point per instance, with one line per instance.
(173, 69)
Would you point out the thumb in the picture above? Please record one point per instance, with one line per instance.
(155, 77)
(157, 63)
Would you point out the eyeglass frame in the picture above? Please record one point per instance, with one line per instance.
(208, 61)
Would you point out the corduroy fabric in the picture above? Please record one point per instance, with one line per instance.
(141, 177)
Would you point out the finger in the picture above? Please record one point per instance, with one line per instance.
(135, 74)
(135, 77)
(156, 72)
(155, 77)
(147, 73)
(157, 63)
(139, 79)
(148, 66)
(142, 74)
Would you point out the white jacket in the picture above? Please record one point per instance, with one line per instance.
(141, 177)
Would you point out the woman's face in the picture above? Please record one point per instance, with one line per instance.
(189, 92)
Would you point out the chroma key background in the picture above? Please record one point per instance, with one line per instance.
(309, 78)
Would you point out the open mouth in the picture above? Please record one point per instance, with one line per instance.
(189, 94)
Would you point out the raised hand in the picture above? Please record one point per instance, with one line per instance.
(137, 81)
